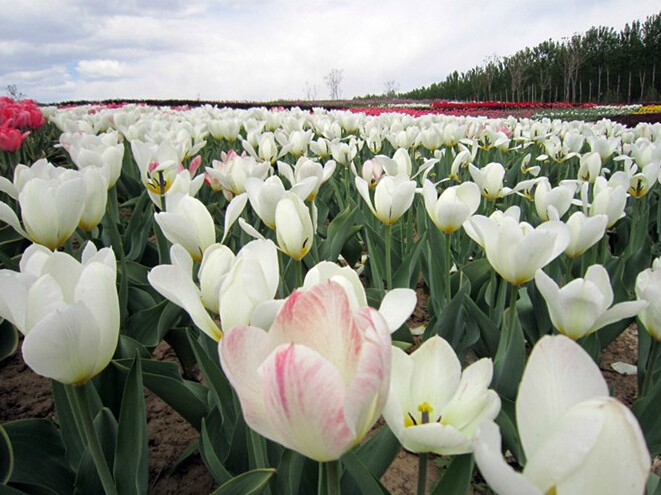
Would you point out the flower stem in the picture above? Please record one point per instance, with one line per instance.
(448, 267)
(388, 257)
(514, 295)
(422, 473)
(651, 362)
(81, 407)
(299, 273)
(332, 477)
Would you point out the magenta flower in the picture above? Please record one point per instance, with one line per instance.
(317, 381)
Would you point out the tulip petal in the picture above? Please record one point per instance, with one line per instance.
(472, 400)
(96, 289)
(494, 469)
(619, 463)
(304, 395)
(559, 374)
(65, 346)
(367, 393)
(396, 307)
(14, 289)
(242, 349)
(8, 216)
(620, 311)
(439, 362)
(565, 448)
(321, 320)
(435, 437)
(176, 285)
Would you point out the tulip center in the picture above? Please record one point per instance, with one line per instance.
(424, 410)
(157, 183)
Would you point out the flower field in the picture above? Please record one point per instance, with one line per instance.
(277, 257)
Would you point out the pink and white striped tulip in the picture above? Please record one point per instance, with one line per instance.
(317, 381)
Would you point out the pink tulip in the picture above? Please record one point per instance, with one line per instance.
(317, 381)
(11, 139)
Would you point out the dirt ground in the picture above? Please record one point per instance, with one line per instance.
(26, 395)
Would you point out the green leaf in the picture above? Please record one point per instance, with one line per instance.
(489, 332)
(210, 458)
(87, 477)
(161, 377)
(375, 260)
(457, 478)
(33, 439)
(407, 273)
(653, 485)
(340, 230)
(8, 340)
(135, 238)
(358, 473)
(510, 359)
(150, 325)
(73, 442)
(506, 421)
(131, 469)
(220, 387)
(250, 483)
(6, 457)
(379, 452)
(289, 472)
(646, 409)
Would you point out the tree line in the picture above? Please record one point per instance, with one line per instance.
(599, 66)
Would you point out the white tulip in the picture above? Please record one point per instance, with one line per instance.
(576, 439)
(584, 305)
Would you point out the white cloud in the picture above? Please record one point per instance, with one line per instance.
(100, 68)
(254, 50)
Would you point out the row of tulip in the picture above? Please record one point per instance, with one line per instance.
(259, 285)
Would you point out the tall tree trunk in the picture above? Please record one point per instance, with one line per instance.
(618, 98)
(599, 85)
(590, 90)
(641, 79)
(608, 80)
(629, 91)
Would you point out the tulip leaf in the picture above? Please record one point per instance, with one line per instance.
(510, 359)
(38, 439)
(71, 437)
(375, 260)
(646, 409)
(131, 468)
(135, 238)
(533, 314)
(407, 273)
(457, 477)
(150, 325)
(340, 230)
(8, 340)
(87, 477)
(289, 472)
(653, 485)
(162, 377)
(250, 483)
(358, 472)
(379, 452)
(6, 457)
(489, 332)
(210, 458)
(221, 390)
(506, 421)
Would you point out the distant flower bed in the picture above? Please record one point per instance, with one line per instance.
(504, 105)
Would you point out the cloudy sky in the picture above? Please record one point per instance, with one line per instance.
(257, 50)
